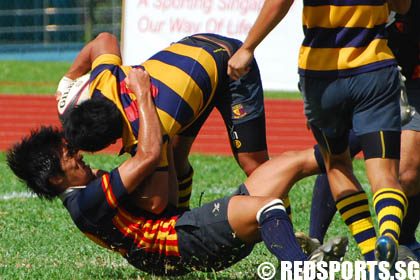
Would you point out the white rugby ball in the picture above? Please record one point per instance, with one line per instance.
(75, 94)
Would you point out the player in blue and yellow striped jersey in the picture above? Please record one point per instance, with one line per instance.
(169, 241)
(349, 80)
(188, 80)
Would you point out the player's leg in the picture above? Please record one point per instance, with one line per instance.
(184, 170)
(410, 170)
(377, 123)
(333, 141)
(266, 218)
(275, 177)
(323, 205)
(410, 181)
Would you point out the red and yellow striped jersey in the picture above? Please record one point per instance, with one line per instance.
(103, 212)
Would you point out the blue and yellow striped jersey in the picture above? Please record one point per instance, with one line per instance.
(184, 78)
(344, 38)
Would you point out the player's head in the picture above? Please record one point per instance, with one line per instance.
(46, 164)
(93, 125)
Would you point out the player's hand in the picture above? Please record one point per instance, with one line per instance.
(238, 64)
(138, 81)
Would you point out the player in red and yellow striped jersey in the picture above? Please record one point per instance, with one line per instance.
(167, 242)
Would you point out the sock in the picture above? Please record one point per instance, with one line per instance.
(288, 207)
(322, 208)
(390, 205)
(411, 221)
(277, 232)
(185, 189)
(354, 210)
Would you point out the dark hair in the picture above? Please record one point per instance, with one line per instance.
(93, 125)
(37, 158)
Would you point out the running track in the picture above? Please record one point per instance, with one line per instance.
(286, 126)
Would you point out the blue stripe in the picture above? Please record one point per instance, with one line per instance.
(391, 232)
(392, 192)
(365, 235)
(170, 102)
(115, 70)
(343, 2)
(390, 218)
(191, 67)
(342, 37)
(357, 217)
(348, 196)
(347, 72)
(387, 202)
(354, 205)
(97, 94)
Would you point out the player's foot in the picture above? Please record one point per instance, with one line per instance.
(405, 254)
(333, 250)
(415, 248)
(386, 250)
(306, 243)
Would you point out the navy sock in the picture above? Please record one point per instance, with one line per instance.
(277, 234)
(411, 221)
(322, 208)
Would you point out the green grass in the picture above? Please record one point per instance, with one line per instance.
(30, 77)
(39, 241)
(27, 77)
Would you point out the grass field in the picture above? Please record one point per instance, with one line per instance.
(44, 76)
(39, 241)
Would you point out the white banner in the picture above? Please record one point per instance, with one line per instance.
(151, 25)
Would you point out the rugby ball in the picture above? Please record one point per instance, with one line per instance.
(76, 93)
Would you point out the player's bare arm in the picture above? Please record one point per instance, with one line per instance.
(104, 43)
(136, 169)
(272, 12)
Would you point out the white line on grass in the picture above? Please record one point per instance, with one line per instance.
(14, 195)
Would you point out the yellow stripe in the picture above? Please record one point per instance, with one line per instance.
(164, 155)
(184, 204)
(185, 192)
(186, 179)
(324, 59)
(326, 142)
(354, 211)
(382, 143)
(345, 16)
(361, 225)
(169, 125)
(203, 57)
(108, 192)
(350, 200)
(286, 201)
(390, 210)
(177, 80)
(390, 193)
(389, 225)
(367, 245)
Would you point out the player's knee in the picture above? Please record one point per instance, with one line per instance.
(158, 205)
(410, 181)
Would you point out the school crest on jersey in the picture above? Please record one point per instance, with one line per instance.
(238, 111)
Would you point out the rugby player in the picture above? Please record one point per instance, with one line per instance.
(349, 79)
(167, 242)
(188, 80)
(404, 39)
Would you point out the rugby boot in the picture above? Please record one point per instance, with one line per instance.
(306, 243)
(333, 250)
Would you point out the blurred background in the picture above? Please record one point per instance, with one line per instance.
(54, 29)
